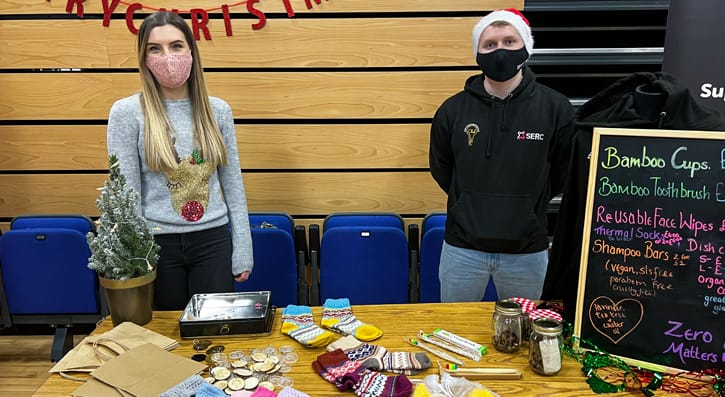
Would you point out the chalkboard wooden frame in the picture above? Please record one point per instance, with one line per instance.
(649, 288)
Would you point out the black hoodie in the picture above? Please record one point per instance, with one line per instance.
(617, 107)
(501, 161)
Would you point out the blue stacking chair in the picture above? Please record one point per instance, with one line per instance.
(432, 230)
(431, 242)
(280, 257)
(363, 257)
(45, 276)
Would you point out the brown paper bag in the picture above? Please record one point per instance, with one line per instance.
(94, 350)
(96, 388)
(147, 370)
(130, 335)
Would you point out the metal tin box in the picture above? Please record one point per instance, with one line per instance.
(227, 314)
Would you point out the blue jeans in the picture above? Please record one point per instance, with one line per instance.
(192, 263)
(464, 274)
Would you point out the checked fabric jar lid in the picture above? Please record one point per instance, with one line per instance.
(544, 313)
(527, 305)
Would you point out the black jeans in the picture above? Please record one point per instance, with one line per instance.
(192, 263)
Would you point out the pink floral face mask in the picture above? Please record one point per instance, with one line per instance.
(171, 71)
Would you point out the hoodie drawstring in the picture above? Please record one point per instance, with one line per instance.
(501, 128)
(489, 140)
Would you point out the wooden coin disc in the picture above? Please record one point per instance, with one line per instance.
(239, 363)
(265, 366)
(220, 373)
(243, 372)
(267, 384)
(259, 357)
(236, 384)
(251, 383)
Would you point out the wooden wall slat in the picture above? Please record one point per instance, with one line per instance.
(57, 96)
(297, 193)
(335, 146)
(271, 6)
(283, 43)
(257, 95)
(26, 44)
(261, 146)
(53, 147)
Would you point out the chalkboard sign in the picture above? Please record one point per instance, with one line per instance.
(652, 277)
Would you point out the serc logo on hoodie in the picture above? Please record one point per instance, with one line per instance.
(529, 136)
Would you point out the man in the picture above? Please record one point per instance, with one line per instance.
(500, 150)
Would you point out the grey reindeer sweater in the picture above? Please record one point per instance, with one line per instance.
(195, 196)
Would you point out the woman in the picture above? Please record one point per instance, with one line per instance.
(177, 148)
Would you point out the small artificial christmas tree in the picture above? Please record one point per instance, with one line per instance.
(122, 247)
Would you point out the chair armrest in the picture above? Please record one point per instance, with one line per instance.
(303, 288)
(314, 265)
(414, 251)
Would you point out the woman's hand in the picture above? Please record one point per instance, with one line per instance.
(241, 277)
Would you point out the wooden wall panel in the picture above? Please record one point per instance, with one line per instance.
(333, 146)
(261, 146)
(53, 147)
(298, 193)
(333, 105)
(75, 43)
(283, 43)
(252, 95)
(272, 6)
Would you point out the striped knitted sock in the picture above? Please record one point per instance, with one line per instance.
(337, 316)
(378, 358)
(375, 384)
(344, 373)
(297, 322)
(337, 369)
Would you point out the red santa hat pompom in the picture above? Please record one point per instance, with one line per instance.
(513, 17)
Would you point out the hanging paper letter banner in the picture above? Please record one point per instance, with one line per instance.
(199, 17)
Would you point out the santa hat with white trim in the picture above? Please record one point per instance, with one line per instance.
(513, 17)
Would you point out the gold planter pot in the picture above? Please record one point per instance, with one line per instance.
(130, 300)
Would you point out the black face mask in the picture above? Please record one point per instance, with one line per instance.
(502, 64)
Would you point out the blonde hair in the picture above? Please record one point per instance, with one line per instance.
(160, 154)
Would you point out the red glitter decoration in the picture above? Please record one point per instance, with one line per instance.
(192, 211)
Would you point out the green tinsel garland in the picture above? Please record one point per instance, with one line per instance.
(594, 358)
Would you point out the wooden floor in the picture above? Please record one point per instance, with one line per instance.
(24, 361)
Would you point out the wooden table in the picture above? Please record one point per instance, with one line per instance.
(470, 320)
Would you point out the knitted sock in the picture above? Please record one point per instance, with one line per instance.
(375, 384)
(186, 388)
(337, 369)
(344, 373)
(291, 392)
(207, 390)
(379, 358)
(263, 392)
(337, 316)
(297, 322)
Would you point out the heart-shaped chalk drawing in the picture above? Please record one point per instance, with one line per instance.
(615, 320)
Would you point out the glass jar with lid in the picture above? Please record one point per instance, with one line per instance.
(545, 346)
(507, 326)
